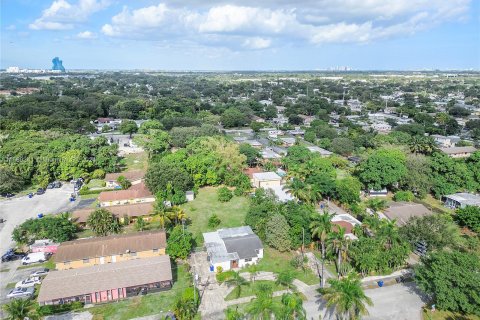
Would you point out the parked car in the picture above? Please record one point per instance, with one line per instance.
(11, 255)
(29, 282)
(50, 186)
(39, 273)
(21, 293)
(7, 195)
(57, 184)
(34, 258)
(40, 191)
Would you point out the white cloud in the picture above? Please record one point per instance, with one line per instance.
(252, 24)
(62, 15)
(257, 43)
(86, 35)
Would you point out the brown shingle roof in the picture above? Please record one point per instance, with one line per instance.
(111, 245)
(132, 210)
(75, 282)
(137, 191)
(403, 211)
(130, 175)
(344, 224)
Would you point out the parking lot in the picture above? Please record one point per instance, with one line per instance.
(16, 210)
(14, 275)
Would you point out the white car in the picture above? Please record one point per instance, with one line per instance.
(39, 273)
(30, 282)
(21, 293)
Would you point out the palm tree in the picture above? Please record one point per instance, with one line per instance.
(185, 309)
(285, 278)
(320, 227)
(292, 307)
(234, 314)
(177, 214)
(161, 211)
(254, 270)
(347, 296)
(420, 144)
(297, 189)
(19, 309)
(238, 282)
(263, 306)
(339, 245)
(388, 230)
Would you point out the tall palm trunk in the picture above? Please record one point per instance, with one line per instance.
(323, 263)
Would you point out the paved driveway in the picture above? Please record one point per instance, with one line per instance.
(396, 302)
(15, 211)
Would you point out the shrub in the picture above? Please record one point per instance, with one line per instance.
(98, 174)
(470, 217)
(224, 276)
(404, 196)
(213, 221)
(61, 308)
(224, 194)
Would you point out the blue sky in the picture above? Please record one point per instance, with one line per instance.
(241, 35)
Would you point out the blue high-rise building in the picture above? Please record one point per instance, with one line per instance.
(57, 64)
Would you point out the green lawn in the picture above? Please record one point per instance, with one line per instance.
(96, 183)
(154, 303)
(231, 213)
(249, 290)
(135, 161)
(447, 315)
(434, 204)
(276, 262)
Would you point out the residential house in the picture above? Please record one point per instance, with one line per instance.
(127, 210)
(307, 120)
(134, 176)
(445, 141)
(137, 193)
(401, 212)
(458, 152)
(88, 252)
(232, 248)
(108, 282)
(44, 245)
(347, 222)
(461, 200)
(266, 180)
(269, 154)
(287, 141)
(323, 153)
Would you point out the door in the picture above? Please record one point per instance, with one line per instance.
(234, 264)
(114, 258)
(102, 260)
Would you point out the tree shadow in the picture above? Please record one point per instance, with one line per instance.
(413, 288)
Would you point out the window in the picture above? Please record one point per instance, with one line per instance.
(133, 254)
(86, 260)
(248, 259)
(155, 250)
(66, 263)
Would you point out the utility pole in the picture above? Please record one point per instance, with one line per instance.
(303, 243)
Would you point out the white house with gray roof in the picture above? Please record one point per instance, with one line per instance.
(232, 248)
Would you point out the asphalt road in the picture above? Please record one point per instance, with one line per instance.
(15, 211)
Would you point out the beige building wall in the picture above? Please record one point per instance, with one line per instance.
(109, 259)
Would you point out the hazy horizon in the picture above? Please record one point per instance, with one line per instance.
(230, 35)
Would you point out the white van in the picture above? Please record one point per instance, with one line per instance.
(34, 258)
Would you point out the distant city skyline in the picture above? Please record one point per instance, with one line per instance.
(242, 35)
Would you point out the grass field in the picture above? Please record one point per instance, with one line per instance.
(276, 262)
(96, 183)
(249, 290)
(434, 204)
(135, 161)
(155, 303)
(231, 214)
(447, 315)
